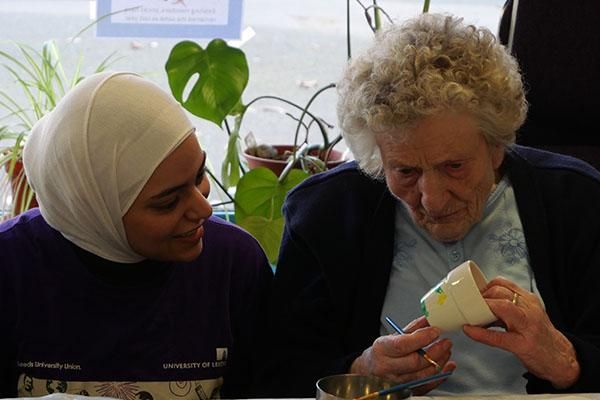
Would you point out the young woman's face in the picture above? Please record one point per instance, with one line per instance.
(443, 170)
(165, 220)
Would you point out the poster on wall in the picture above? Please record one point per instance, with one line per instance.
(193, 19)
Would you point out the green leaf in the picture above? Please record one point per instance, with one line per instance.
(222, 77)
(230, 169)
(267, 232)
(258, 200)
(260, 193)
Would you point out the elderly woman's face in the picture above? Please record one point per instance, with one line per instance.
(443, 170)
(165, 220)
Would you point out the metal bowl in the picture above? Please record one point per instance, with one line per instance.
(351, 386)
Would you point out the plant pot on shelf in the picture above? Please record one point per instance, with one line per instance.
(279, 161)
(22, 197)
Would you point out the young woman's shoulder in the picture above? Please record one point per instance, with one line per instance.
(217, 226)
(224, 236)
(26, 229)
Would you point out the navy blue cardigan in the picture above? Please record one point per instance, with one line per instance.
(337, 252)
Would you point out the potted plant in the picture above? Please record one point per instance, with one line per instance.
(42, 81)
(217, 96)
(218, 75)
(15, 185)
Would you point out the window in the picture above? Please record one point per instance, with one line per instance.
(297, 47)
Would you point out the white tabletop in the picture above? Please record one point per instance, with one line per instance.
(574, 396)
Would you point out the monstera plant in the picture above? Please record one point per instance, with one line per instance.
(217, 76)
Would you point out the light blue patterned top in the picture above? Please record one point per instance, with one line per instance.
(498, 246)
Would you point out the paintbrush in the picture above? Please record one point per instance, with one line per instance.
(422, 352)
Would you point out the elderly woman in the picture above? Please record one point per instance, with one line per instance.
(122, 284)
(430, 113)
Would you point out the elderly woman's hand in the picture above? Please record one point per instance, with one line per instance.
(529, 335)
(394, 357)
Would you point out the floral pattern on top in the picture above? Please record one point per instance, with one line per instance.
(405, 250)
(511, 245)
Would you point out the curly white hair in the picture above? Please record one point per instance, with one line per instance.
(428, 65)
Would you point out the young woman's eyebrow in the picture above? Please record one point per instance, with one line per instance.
(174, 189)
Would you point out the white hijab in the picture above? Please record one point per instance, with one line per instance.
(90, 157)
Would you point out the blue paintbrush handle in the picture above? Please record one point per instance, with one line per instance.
(393, 324)
(411, 384)
(401, 332)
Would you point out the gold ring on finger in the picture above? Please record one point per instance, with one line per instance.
(515, 298)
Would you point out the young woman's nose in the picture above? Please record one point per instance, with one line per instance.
(199, 206)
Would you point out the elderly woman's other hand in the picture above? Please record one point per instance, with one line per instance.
(529, 334)
(395, 358)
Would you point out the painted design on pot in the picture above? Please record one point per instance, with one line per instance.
(442, 297)
(424, 309)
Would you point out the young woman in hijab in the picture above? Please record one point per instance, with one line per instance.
(121, 284)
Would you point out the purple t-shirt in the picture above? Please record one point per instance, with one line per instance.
(170, 330)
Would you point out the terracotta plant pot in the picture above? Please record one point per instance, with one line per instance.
(20, 188)
(277, 166)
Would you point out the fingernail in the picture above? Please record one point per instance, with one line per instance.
(409, 326)
(447, 345)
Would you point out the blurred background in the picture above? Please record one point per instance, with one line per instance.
(293, 49)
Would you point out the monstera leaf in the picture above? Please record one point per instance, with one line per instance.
(230, 170)
(268, 232)
(258, 198)
(222, 76)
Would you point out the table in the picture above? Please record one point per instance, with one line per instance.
(573, 396)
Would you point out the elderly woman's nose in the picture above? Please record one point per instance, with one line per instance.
(433, 191)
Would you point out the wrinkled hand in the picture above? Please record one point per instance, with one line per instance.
(394, 357)
(529, 335)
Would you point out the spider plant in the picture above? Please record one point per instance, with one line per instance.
(41, 81)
